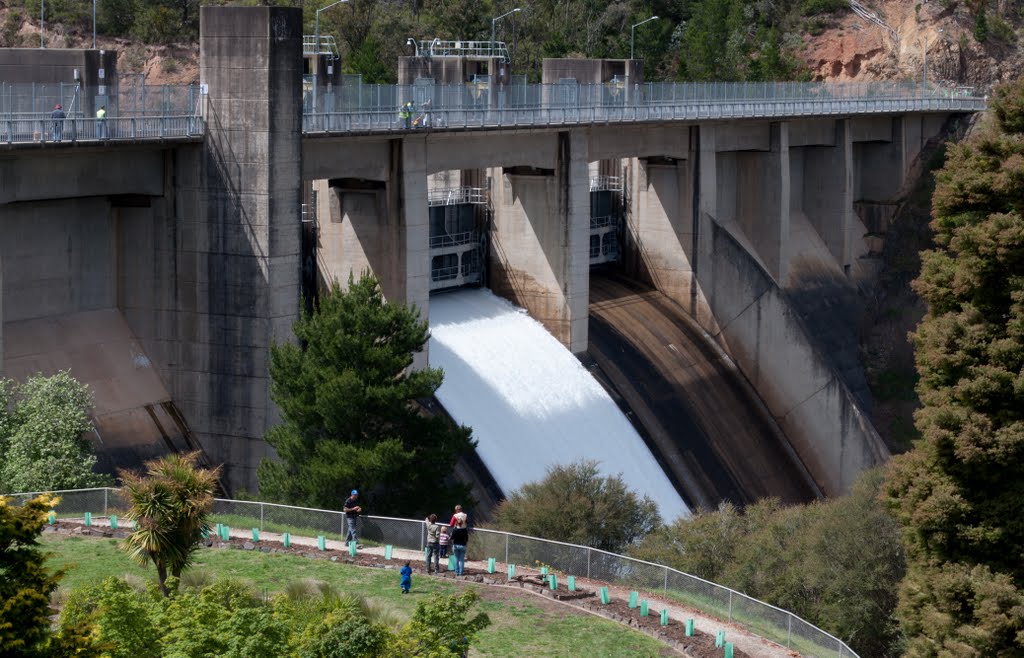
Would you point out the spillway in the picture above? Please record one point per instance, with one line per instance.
(530, 402)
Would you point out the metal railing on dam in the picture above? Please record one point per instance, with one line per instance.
(376, 108)
(758, 617)
(28, 130)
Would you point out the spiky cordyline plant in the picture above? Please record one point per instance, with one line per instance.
(170, 505)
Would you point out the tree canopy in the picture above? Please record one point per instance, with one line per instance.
(959, 494)
(43, 426)
(350, 415)
(575, 503)
(833, 562)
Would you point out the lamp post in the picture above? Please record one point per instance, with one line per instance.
(632, 33)
(415, 44)
(924, 56)
(94, 24)
(316, 50)
(494, 21)
(42, 22)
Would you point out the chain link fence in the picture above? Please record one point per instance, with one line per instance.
(756, 616)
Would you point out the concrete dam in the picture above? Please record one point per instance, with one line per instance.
(662, 235)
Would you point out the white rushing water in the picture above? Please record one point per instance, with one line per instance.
(530, 402)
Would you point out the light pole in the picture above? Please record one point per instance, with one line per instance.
(316, 50)
(42, 22)
(415, 44)
(94, 24)
(632, 33)
(494, 21)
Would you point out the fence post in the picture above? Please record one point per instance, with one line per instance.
(506, 548)
(789, 633)
(588, 563)
(666, 580)
(261, 516)
(105, 492)
(730, 605)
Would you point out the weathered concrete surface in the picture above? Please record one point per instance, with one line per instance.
(58, 65)
(58, 258)
(822, 183)
(540, 240)
(233, 237)
(47, 174)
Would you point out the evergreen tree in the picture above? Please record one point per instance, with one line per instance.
(348, 399)
(959, 494)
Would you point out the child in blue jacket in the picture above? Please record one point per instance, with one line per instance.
(406, 578)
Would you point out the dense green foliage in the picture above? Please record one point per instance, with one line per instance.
(348, 398)
(43, 423)
(959, 494)
(574, 503)
(170, 505)
(228, 619)
(26, 585)
(692, 39)
(834, 563)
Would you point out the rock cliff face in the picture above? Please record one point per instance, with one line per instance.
(943, 32)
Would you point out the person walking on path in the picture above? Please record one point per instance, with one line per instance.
(406, 582)
(58, 117)
(460, 538)
(101, 123)
(352, 510)
(433, 542)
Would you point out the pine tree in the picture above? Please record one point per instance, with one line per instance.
(959, 494)
(348, 399)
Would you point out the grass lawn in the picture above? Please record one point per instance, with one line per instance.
(522, 625)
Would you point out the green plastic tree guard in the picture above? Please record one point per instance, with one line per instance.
(605, 598)
(113, 521)
(387, 551)
(51, 518)
(553, 581)
(255, 535)
(88, 518)
(287, 540)
(634, 598)
(511, 571)
(451, 563)
(352, 548)
(491, 563)
(571, 583)
(321, 542)
(225, 533)
(728, 650)
(643, 608)
(543, 571)
(664, 617)
(720, 639)
(220, 530)
(689, 628)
